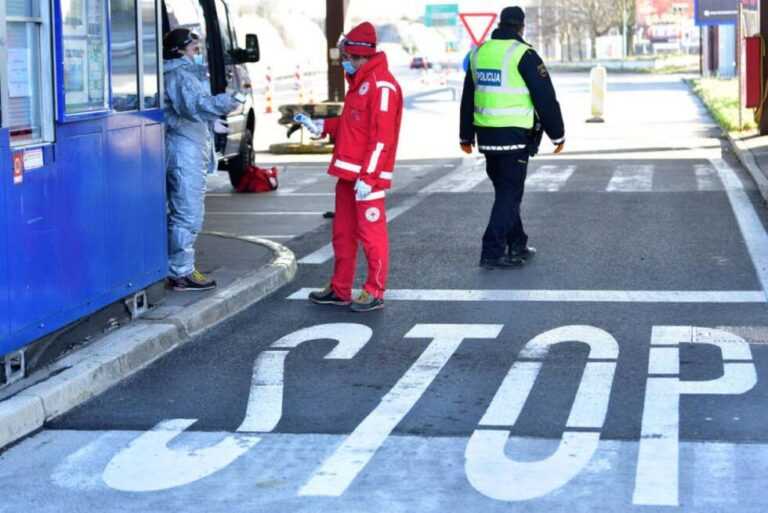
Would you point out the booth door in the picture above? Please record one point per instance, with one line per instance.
(6, 173)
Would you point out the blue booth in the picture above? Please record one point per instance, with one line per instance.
(82, 171)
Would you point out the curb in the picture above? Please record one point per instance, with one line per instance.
(748, 161)
(93, 369)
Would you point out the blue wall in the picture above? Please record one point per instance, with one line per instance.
(85, 230)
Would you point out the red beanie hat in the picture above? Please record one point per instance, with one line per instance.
(361, 40)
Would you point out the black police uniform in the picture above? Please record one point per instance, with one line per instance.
(507, 168)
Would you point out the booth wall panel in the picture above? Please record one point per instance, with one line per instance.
(125, 231)
(7, 179)
(34, 254)
(153, 213)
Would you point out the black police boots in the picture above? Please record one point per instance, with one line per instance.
(505, 262)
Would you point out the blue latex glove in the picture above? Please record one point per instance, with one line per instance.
(315, 126)
(362, 190)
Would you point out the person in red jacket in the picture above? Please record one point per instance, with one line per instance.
(366, 136)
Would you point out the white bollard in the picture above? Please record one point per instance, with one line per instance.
(599, 86)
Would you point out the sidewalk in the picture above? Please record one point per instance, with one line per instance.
(752, 151)
(246, 268)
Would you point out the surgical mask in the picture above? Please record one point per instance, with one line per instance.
(348, 67)
(198, 59)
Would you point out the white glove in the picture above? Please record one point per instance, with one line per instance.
(315, 126)
(362, 190)
(220, 127)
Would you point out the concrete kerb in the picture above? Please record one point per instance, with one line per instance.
(742, 151)
(92, 370)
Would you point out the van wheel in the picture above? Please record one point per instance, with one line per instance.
(240, 164)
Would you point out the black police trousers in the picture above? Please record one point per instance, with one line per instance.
(507, 172)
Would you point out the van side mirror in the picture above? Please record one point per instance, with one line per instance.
(252, 48)
(250, 53)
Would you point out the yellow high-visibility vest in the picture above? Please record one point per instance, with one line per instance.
(502, 98)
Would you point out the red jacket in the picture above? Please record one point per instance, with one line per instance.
(368, 129)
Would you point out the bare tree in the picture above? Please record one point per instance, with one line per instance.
(571, 21)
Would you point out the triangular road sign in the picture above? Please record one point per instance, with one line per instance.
(478, 24)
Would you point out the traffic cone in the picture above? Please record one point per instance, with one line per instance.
(298, 83)
(269, 91)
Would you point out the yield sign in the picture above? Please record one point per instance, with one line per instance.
(478, 23)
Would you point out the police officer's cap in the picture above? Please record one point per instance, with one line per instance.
(512, 16)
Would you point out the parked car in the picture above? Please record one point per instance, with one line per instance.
(226, 64)
(420, 63)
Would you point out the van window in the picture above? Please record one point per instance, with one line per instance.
(125, 85)
(224, 29)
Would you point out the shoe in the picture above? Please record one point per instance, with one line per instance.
(526, 253)
(366, 303)
(505, 262)
(193, 282)
(327, 297)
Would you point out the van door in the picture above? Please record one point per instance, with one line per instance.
(237, 119)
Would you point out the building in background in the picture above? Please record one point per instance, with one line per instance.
(666, 26)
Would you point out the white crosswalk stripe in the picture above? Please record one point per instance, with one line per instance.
(549, 178)
(631, 178)
(714, 462)
(706, 178)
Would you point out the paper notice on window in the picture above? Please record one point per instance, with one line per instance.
(18, 73)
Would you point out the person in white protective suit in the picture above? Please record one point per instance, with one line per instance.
(192, 113)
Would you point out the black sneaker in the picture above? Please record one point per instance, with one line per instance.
(193, 282)
(327, 297)
(366, 303)
(526, 253)
(505, 262)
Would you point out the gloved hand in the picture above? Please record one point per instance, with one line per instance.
(220, 127)
(362, 190)
(315, 126)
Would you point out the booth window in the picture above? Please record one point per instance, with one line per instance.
(149, 52)
(29, 108)
(84, 45)
(125, 85)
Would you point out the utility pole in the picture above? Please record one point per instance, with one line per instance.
(334, 28)
(764, 32)
(624, 49)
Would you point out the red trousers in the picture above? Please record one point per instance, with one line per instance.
(364, 221)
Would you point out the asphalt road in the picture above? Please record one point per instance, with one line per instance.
(623, 369)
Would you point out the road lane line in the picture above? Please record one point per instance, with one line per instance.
(631, 178)
(342, 467)
(567, 296)
(749, 223)
(548, 178)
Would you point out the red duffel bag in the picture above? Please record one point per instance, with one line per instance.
(258, 179)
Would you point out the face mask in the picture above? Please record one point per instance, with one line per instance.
(198, 59)
(348, 67)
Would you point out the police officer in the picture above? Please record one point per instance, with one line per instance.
(508, 99)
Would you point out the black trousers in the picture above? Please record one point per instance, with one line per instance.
(507, 172)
